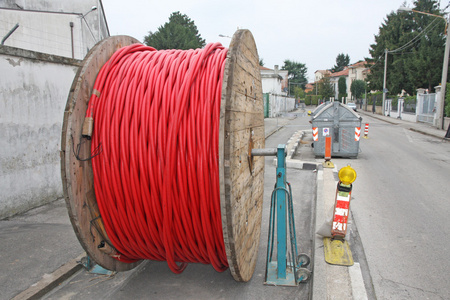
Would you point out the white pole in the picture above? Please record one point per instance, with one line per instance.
(439, 119)
(384, 81)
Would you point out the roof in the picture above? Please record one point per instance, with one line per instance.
(264, 68)
(359, 64)
(340, 73)
(323, 71)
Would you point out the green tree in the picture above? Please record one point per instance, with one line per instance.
(342, 88)
(342, 60)
(447, 101)
(179, 33)
(299, 93)
(261, 62)
(326, 88)
(415, 44)
(296, 74)
(358, 87)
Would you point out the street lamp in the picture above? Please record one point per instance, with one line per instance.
(82, 16)
(439, 119)
(91, 10)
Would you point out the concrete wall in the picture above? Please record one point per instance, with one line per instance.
(33, 92)
(280, 104)
(45, 26)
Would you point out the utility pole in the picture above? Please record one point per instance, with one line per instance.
(439, 121)
(439, 117)
(384, 81)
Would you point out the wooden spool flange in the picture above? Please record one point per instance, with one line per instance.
(241, 176)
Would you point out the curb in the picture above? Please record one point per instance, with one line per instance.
(410, 128)
(51, 281)
(332, 280)
(376, 116)
(291, 148)
(427, 133)
(274, 131)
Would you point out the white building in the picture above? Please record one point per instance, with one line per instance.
(38, 62)
(319, 74)
(63, 28)
(356, 71)
(275, 85)
(334, 80)
(274, 81)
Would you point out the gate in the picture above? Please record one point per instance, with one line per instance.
(266, 105)
(426, 108)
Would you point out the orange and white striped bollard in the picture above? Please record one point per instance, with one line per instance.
(366, 131)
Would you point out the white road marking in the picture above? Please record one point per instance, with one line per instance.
(358, 288)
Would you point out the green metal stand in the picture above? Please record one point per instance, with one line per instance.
(286, 270)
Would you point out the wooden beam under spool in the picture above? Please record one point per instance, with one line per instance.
(241, 128)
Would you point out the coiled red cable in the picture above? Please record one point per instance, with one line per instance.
(156, 116)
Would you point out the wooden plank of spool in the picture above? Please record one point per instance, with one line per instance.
(241, 125)
(77, 176)
(241, 128)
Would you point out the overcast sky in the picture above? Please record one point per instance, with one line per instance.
(312, 32)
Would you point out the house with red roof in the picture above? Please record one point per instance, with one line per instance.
(356, 71)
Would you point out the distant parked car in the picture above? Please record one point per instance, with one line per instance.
(352, 106)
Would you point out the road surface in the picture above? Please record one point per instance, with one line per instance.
(401, 208)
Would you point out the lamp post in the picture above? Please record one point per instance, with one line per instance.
(439, 118)
(82, 16)
(384, 82)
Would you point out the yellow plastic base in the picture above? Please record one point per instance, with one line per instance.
(337, 252)
(328, 164)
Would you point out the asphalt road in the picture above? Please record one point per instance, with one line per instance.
(401, 205)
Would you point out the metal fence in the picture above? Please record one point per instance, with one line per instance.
(409, 106)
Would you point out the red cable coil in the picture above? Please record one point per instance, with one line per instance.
(157, 177)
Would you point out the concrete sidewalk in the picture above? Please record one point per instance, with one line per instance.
(37, 246)
(420, 127)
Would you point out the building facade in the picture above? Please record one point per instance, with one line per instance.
(43, 43)
(274, 80)
(63, 28)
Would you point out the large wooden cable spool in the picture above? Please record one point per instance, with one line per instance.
(241, 176)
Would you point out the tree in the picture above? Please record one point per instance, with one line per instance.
(179, 33)
(299, 93)
(296, 74)
(447, 101)
(342, 88)
(415, 44)
(342, 60)
(358, 87)
(261, 62)
(326, 88)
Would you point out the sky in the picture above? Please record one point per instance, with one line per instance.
(311, 32)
